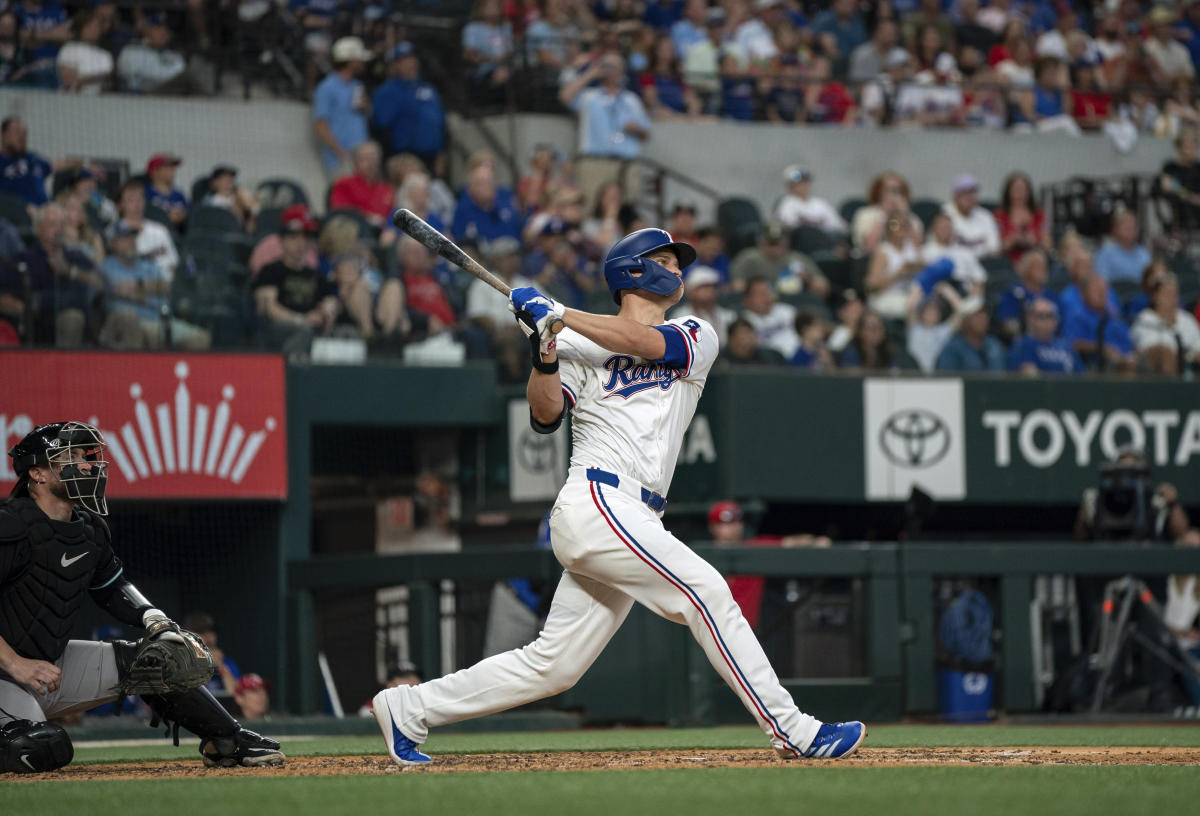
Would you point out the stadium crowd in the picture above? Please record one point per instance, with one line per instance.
(940, 282)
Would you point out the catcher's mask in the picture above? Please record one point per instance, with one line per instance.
(75, 451)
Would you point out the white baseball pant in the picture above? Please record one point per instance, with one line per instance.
(615, 551)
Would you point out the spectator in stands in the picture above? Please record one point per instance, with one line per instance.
(365, 190)
(827, 101)
(23, 173)
(1016, 68)
(83, 65)
(1070, 299)
(743, 347)
(1101, 339)
(887, 198)
(774, 260)
(1166, 337)
(702, 285)
(739, 89)
(752, 28)
(137, 294)
(612, 124)
(409, 108)
(1047, 105)
(1151, 275)
(969, 31)
(485, 211)
(968, 272)
(428, 306)
(928, 16)
(690, 29)
(786, 96)
(1091, 105)
(81, 181)
(152, 67)
(1122, 258)
(224, 193)
(702, 64)
(847, 309)
(891, 269)
(972, 348)
(1179, 180)
(799, 208)
(682, 222)
(1040, 350)
(1033, 271)
(14, 57)
(488, 45)
(297, 301)
(775, 322)
(57, 286)
(927, 333)
(490, 313)
(710, 251)
(340, 107)
(45, 27)
(840, 28)
(77, 231)
(811, 353)
(869, 59)
(269, 248)
(934, 98)
(153, 239)
(550, 39)
(664, 91)
(1021, 223)
(1179, 111)
(1168, 60)
(974, 227)
(879, 96)
(870, 348)
(350, 273)
(542, 180)
(253, 697)
(603, 226)
(564, 271)
(161, 191)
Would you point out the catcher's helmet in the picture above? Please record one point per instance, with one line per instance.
(57, 443)
(628, 256)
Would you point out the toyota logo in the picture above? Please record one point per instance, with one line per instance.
(914, 438)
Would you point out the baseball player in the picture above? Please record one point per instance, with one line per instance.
(631, 382)
(55, 548)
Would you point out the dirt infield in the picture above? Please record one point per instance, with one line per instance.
(635, 760)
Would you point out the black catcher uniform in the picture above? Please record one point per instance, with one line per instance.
(47, 566)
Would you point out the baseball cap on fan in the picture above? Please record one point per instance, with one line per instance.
(698, 276)
(350, 49)
(297, 218)
(162, 160)
(252, 681)
(965, 182)
(724, 512)
(797, 172)
(400, 50)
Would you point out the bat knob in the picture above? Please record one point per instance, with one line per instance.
(556, 325)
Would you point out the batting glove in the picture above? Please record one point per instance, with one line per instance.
(535, 314)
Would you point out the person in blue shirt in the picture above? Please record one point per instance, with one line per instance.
(1034, 272)
(1099, 337)
(1122, 257)
(662, 14)
(46, 23)
(737, 90)
(484, 211)
(972, 348)
(1070, 300)
(23, 173)
(1039, 350)
(691, 29)
(1187, 31)
(843, 22)
(340, 107)
(409, 108)
(161, 191)
(137, 292)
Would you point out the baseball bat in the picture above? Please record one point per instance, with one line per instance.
(412, 224)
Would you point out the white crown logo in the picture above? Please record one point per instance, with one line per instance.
(181, 444)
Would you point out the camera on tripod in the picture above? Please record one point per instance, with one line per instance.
(1125, 500)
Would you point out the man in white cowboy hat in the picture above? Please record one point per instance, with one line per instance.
(340, 106)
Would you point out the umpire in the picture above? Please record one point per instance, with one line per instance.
(54, 548)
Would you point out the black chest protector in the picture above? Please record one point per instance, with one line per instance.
(50, 572)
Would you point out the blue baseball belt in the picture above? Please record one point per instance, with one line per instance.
(648, 497)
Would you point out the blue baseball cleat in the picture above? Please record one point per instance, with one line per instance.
(836, 740)
(401, 749)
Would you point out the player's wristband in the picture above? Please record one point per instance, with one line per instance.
(535, 349)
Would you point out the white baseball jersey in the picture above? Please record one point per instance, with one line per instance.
(629, 414)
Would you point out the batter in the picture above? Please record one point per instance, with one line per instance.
(631, 383)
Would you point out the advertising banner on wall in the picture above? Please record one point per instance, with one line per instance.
(177, 425)
(913, 437)
(537, 463)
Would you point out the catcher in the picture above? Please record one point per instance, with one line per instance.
(54, 548)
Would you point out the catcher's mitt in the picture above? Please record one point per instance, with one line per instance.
(166, 665)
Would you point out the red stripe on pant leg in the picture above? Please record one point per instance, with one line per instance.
(716, 641)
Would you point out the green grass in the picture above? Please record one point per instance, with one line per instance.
(881, 736)
(791, 789)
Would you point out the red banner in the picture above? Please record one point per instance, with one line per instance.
(177, 425)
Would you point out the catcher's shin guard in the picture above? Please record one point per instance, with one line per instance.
(29, 747)
(196, 710)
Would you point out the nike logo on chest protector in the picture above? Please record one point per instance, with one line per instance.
(66, 562)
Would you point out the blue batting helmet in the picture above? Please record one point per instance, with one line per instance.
(628, 256)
